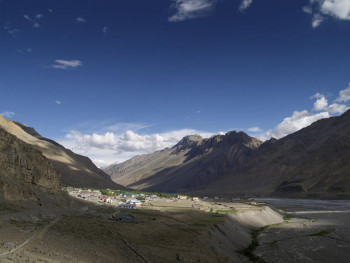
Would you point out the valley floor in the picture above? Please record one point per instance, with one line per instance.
(240, 232)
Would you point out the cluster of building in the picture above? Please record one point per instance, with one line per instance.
(124, 200)
(121, 200)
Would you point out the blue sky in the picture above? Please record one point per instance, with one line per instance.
(111, 79)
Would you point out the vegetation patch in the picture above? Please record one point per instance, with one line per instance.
(249, 251)
(287, 218)
(322, 233)
(231, 211)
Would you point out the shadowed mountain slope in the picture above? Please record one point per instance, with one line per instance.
(24, 170)
(76, 170)
(313, 162)
(192, 163)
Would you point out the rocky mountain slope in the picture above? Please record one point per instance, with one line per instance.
(24, 170)
(192, 163)
(76, 170)
(313, 162)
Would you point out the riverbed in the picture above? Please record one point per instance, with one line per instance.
(314, 231)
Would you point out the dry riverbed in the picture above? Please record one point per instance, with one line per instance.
(314, 231)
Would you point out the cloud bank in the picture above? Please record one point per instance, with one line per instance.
(117, 147)
(110, 143)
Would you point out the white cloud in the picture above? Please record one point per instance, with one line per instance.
(319, 9)
(29, 50)
(321, 103)
(81, 20)
(111, 147)
(34, 20)
(58, 102)
(105, 29)
(344, 95)
(11, 30)
(27, 18)
(337, 8)
(190, 9)
(337, 108)
(302, 119)
(317, 19)
(50, 10)
(66, 64)
(245, 4)
(299, 120)
(307, 9)
(254, 129)
(8, 114)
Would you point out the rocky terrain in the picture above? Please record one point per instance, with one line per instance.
(24, 170)
(192, 163)
(312, 162)
(75, 169)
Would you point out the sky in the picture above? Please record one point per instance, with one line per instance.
(113, 79)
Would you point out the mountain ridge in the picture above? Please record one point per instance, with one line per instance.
(162, 169)
(76, 170)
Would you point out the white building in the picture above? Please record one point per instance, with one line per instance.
(134, 201)
(182, 197)
(127, 206)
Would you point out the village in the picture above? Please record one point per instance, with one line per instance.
(126, 200)
(160, 201)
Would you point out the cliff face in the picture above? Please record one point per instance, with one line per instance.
(24, 170)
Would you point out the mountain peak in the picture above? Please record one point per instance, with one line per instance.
(189, 141)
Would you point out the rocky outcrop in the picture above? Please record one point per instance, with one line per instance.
(24, 170)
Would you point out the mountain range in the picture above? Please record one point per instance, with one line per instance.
(313, 162)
